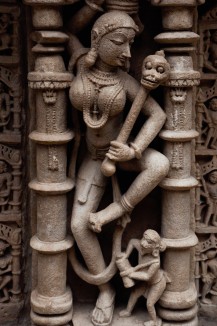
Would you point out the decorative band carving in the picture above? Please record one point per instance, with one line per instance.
(51, 247)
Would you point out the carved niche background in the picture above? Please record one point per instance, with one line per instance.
(11, 149)
(206, 162)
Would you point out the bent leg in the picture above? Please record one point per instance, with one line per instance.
(154, 295)
(137, 292)
(153, 167)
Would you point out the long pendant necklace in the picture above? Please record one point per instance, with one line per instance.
(93, 117)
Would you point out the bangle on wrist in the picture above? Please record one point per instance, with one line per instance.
(94, 6)
(137, 151)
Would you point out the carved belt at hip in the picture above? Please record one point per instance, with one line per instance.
(97, 153)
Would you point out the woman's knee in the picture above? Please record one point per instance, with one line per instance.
(157, 162)
(164, 164)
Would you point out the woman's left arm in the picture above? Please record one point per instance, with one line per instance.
(152, 126)
(152, 110)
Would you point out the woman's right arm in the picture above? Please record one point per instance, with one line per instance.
(84, 16)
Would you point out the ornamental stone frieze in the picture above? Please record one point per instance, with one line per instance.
(206, 167)
(11, 174)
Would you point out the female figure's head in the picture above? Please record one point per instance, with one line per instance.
(151, 243)
(111, 38)
(3, 167)
(3, 246)
(213, 104)
(212, 177)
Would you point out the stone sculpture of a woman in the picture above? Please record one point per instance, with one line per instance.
(100, 89)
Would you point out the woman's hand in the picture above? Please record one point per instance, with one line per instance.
(119, 152)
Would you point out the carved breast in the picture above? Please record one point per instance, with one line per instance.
(84, 90)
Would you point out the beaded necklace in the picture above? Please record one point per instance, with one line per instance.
(93, 117)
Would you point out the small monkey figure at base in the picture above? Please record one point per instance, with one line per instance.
(153, 278)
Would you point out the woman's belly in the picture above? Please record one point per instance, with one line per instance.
(101, 137)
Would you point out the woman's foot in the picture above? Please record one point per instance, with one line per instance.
(103, 311)
(110, 213)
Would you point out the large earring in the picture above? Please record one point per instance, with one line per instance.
(91, 57)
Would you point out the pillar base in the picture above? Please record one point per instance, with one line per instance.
(178, 315)
(193, 322)
(44, 305)
(179, 300)
(54, 320)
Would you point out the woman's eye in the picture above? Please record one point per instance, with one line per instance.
(117, 42)
(160, 69)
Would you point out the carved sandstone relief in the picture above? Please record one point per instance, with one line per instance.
(9, 25)
(11, 300)
(206, 108)
(152, 279)
(10, 106)
(10, 272)
(206, 277)
(206, 195)
(206, 165)
(208, 44)
(101, 89)
(10, 233)
(104, 87)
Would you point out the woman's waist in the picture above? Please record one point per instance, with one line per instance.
(97, 152)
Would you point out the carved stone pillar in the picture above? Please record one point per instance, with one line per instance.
(179, 302)
(51, 300)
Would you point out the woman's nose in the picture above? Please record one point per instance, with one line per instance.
(126, 51)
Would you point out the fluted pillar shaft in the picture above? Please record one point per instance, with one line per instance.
(51, 300)
(179, 301)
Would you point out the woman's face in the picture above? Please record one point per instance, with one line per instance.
(213, 104)
(114, 47)
(213, 177)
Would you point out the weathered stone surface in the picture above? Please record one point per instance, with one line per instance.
(101, 88)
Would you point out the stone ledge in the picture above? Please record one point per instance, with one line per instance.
(82, 317)
(82, 314)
